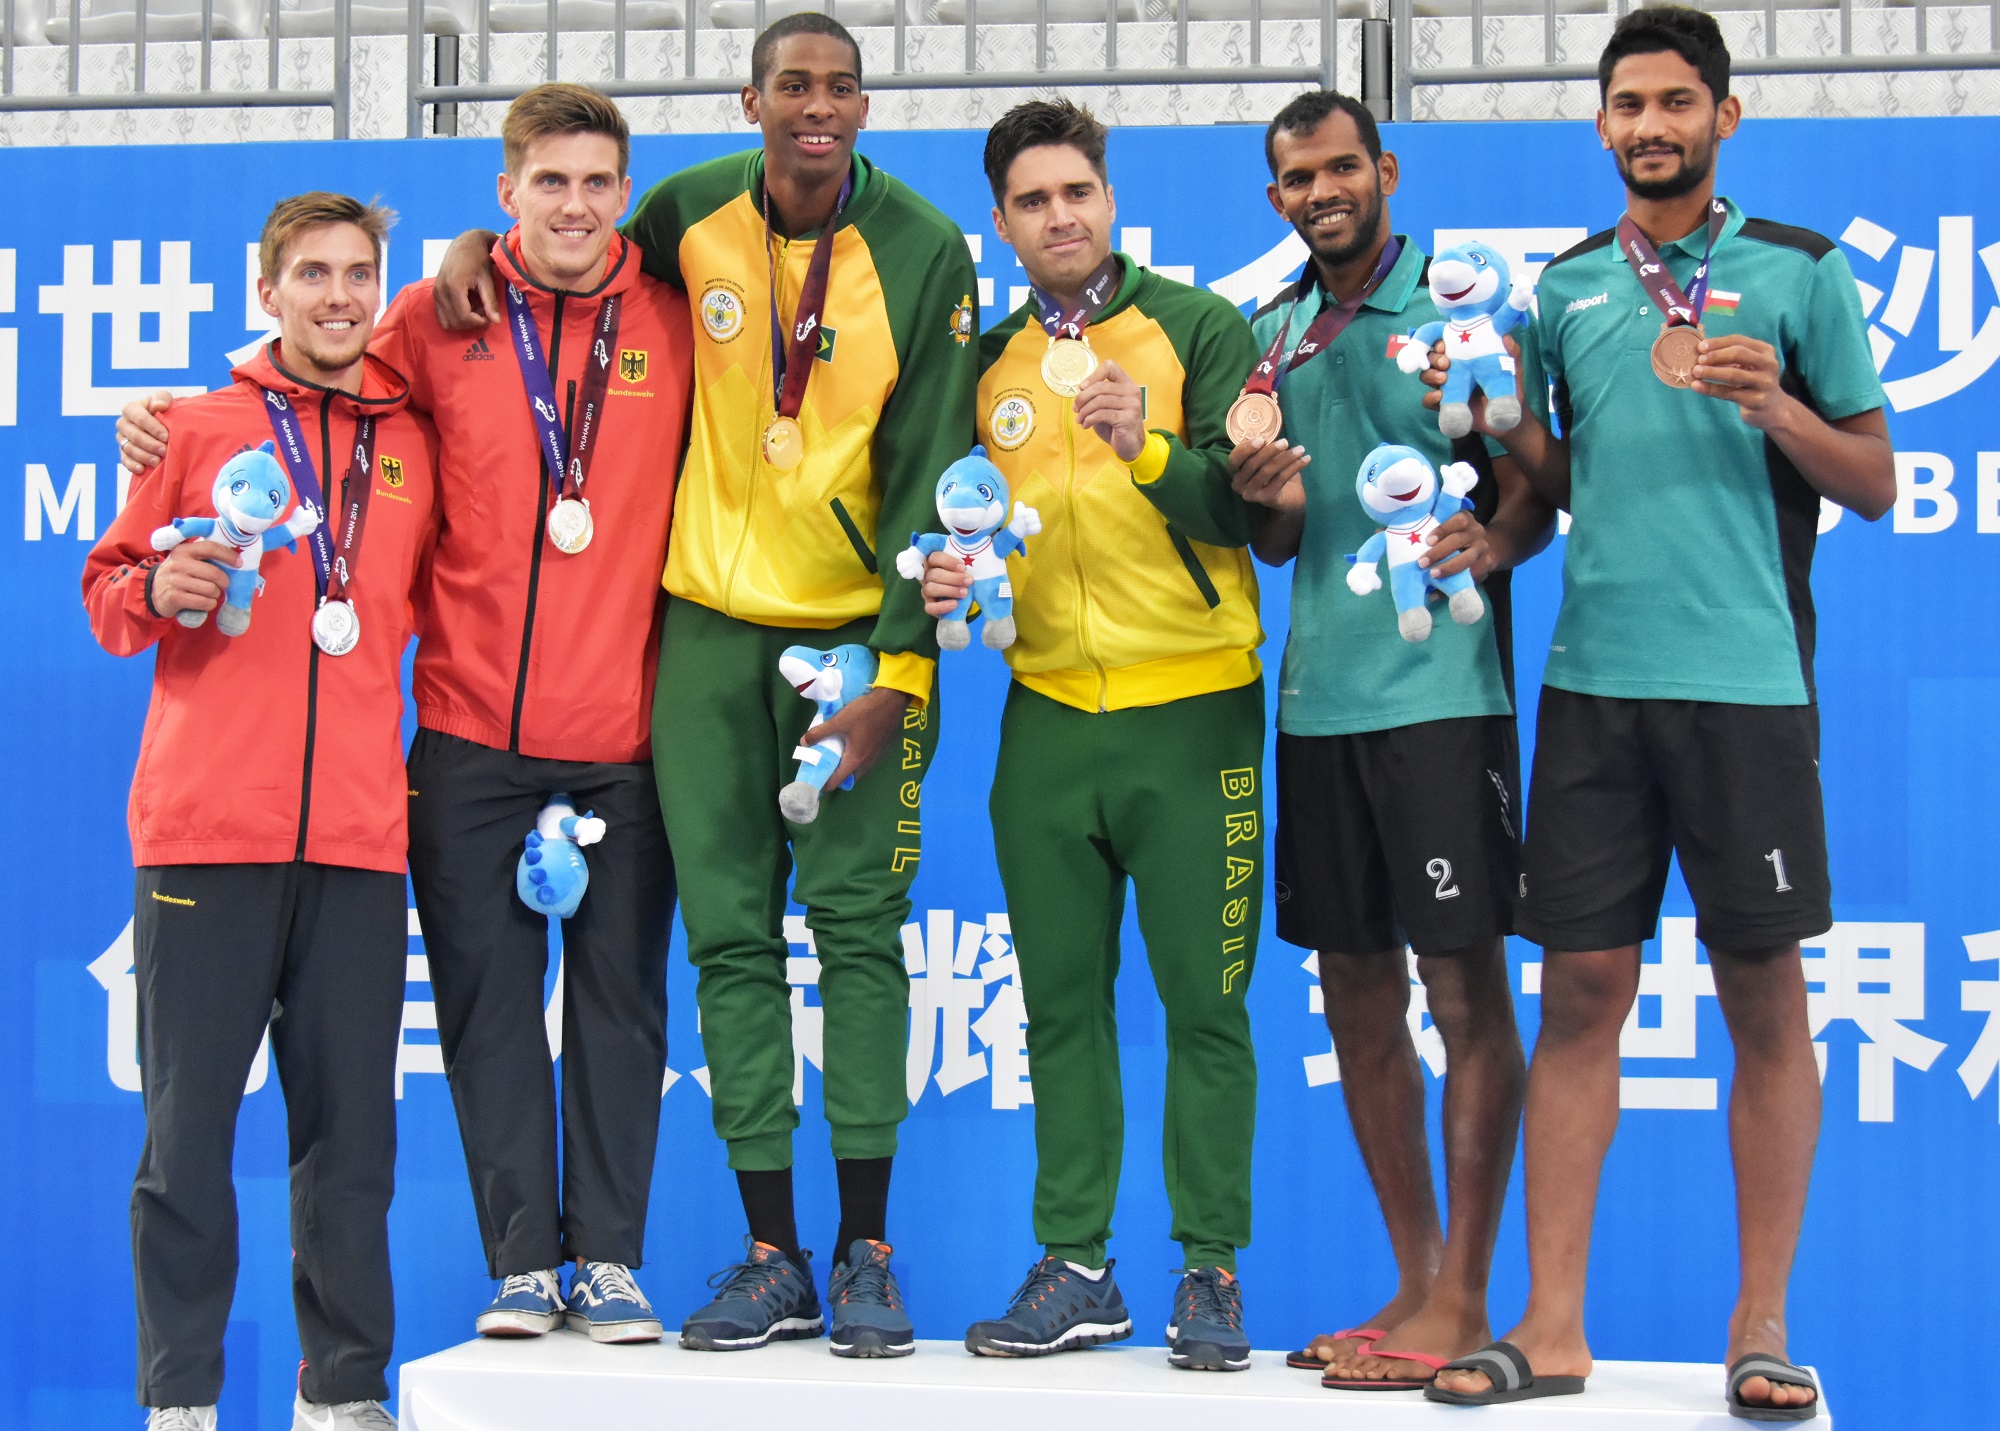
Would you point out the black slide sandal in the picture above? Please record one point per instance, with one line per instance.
(1771, 1369)
(1512, 1380)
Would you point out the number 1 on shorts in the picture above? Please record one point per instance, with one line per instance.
(1776, 860)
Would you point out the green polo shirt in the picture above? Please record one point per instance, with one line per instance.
(1688, 569)
(1346, 666)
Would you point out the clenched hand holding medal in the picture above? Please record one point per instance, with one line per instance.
(1678, 347)
(1255, 415)
(792, 356)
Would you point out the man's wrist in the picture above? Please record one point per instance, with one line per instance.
(1151, 459)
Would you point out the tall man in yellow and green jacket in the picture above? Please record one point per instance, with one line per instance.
(771, 548)
(1132, 744)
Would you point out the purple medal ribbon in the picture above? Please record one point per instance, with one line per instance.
(1681, 309)
(1097, 292)
(567, 470)
(331, 574)
(791, 361)
(1331, 322)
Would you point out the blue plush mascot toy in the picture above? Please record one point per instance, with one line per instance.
(250, 491)
(1398, 489)
(551, 875)
(833, 680)
(1471, 287)
(972, 503)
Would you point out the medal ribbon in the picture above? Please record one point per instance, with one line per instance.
(1097, 292)
(1679, 309)
(1330, 322)
(331, 572)
(792, 360)
(568, 463)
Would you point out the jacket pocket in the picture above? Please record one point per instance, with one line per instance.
(854, 537)
(1195, 570)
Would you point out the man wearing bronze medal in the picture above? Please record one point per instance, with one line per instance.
(1398, 768)
(534, 637)
(1677, 712)
(834, 379)
(268, 826)
(1131, 746)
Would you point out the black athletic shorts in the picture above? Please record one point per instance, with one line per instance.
(1404, 836)
(1619, 785)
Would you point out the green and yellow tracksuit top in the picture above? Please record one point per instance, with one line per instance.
(888, 408)
(1139, 588)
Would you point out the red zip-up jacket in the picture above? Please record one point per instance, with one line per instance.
(526, 648)
(261, 748)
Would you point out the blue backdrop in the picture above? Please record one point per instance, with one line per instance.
(123, 270)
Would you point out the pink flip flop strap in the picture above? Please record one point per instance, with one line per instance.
(1435, 1363)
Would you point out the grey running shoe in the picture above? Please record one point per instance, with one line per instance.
(181, 1418)
(1056, 1309)
(867, 1305)
(1207, 1333)
(341, 1416)
(766, 1297)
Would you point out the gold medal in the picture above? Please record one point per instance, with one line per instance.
(571, 526)
(1253, 416)
(784, 443)
(1675, 352)
(1066, 364)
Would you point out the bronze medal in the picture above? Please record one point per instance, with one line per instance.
(784, 443)
(1252, 416)
(1675, 353)
(571, 526)
(1066, 364)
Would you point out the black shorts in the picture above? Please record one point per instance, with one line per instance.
(1404, 836)
(1619, 785)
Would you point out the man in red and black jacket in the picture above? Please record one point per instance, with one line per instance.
(268, 817)
(561, 432)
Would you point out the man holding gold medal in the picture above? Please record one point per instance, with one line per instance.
(1712, 377)
(1133, 738)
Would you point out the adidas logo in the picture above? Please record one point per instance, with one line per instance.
(477, 353)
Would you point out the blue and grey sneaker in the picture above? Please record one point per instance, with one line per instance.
(1056, 1309)
(766, 1297)
(529, 1304)
(867, 1304)
(606, 1303)
(1207, 1333)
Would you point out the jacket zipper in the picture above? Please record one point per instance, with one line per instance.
(757, 450)
(1076, 565)
(312, 658)
(541, 531)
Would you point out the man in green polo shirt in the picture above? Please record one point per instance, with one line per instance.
(1398, 768)
(1677, 712)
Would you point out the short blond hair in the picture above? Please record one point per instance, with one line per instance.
(295, 215)
(549, 110)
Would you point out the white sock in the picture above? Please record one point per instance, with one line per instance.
(1090, 1274)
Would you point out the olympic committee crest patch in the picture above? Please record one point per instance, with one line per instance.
(632, 364)
(1012, 420)
(392, 471)
(721, 313)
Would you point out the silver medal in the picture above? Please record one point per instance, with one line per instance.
(335, 628)
(570, 525)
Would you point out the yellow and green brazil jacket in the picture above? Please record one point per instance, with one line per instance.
(888, 408)
(1139, 588)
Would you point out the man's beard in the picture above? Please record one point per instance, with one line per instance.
(1363, 233)
(1694, 170)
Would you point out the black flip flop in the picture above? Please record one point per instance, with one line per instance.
(1771, 1369)
(1306, 1359)
(1512, 1380)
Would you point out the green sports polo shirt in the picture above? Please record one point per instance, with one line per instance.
(1688, 569)
(1346, 667)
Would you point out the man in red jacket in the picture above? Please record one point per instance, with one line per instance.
(561, 429)
(268, 821)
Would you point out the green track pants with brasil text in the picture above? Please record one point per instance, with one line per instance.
(1171, 797)
(725, 726)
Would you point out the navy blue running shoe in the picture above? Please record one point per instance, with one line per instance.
(607, 1306)
(1207, 1333)
(867, 1305)
(767, 1297)
(1057, 1309)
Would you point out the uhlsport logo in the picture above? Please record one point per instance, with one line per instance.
(1012, 421)
(392, 471)
(632, 364)
(721, 313)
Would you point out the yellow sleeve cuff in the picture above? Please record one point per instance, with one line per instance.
(1151, 461)
(907, 672)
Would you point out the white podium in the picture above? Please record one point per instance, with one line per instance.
(566, 1380)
